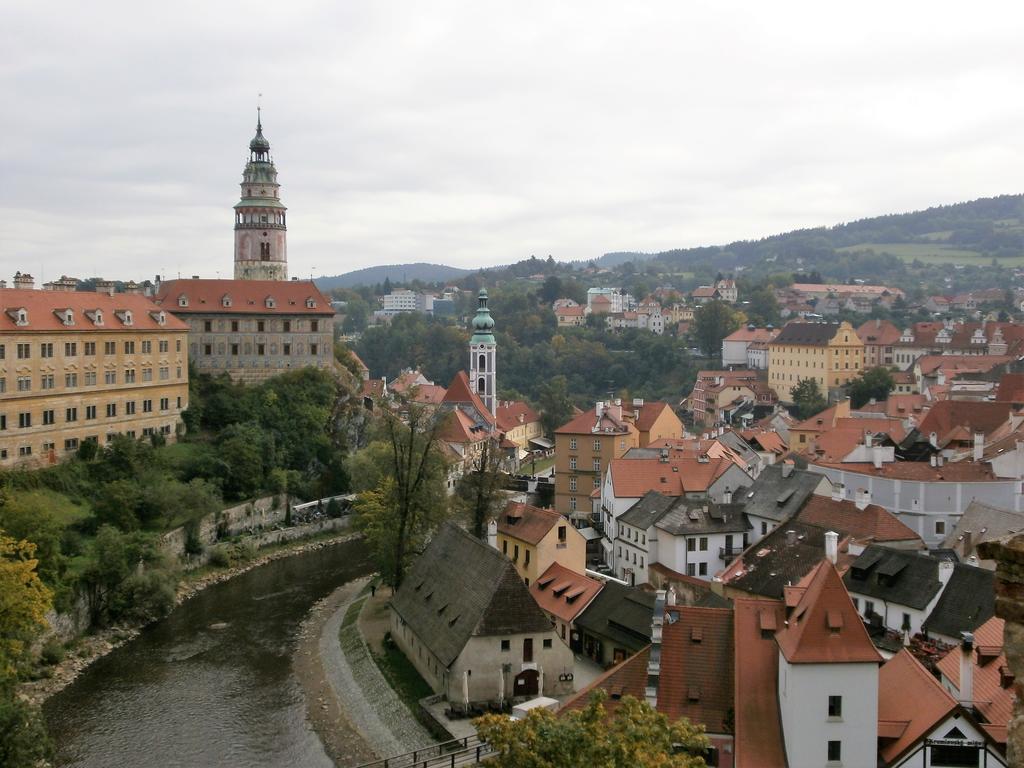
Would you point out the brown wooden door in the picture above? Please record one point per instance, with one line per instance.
(526, 683)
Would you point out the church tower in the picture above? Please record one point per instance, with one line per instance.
(261, 249)
(482, 355)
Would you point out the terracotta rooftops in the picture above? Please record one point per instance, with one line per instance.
(571, 311)
(632, 478)
(1011, 388)
(27, 311)
(910, 704)
(879, 332)
(824, 627)
(948, 416)
(758, 728)
(955, 472)
(646, 414)
(511, 414)
(955, 365)
(626, 679)
(752, 334)
(587, 423)
(243, 297)
(526, 522)
(564, 593)
(873, 523)
(457, 427)
(696, 680)
(459, 391)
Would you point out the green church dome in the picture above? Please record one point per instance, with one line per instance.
(483, 323)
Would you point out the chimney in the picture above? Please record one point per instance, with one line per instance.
(863, 498)
(832, 546)
(727, 496)
(492, 533)
(787, 468)
(24, 281)
(790, 537)
(867, 439)
(940, 460)
(877, 456)
(105, 286)
(654, 659)
(946, 568)
(932, 460)
(663, 456)
(838, 492)
(671, 596)
(968, 536)
(966, 697)
(979, 446)
(933, 438)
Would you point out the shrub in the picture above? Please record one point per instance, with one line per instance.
(52, 652)
(144, 597)
(219, 557)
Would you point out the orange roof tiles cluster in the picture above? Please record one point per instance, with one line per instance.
(955, 472)
(513, 413)
(564, 593)
(873, 523)
(954, 419)
(758, 720)
(696, 678)
(632, 478)
(910, 704)
(46, 311)
(824, 627)
(259, 297)
(527, 522)
(459, 391)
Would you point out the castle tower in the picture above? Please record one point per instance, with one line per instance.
(483, 355)
(261, 249)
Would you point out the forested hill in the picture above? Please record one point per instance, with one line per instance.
(963, 234)
(396, 273)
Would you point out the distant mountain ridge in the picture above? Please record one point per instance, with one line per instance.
(396, 273)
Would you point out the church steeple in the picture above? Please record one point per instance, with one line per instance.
(483, 355)
(261, 245)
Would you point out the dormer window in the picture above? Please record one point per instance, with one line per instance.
(183, 300)
(160, 317)
(225, 300)
(310, 303)
(124, 315)
(270, 302)
(96, 315)
(19, 315)
(67, 316)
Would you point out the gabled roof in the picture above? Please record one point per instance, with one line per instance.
(991, 699)
(626, 679)
(646, 512)
(756, 669)
(799, 333)
(457, 427)
(648, 413)
(967, 602)
(879, 332)
(461, 588)
(459, 392)
(768, 441)
(42, 307)
(527, 522)
(911, 703)
(982, 522)
(563, 592)
(872, 523)
(620, 613)
(947, 416)
(632, 478)
(696, 677)
(824, 626)
(691, 517)
(247, 297)
(586, 423)
(774, 496)
(752, 334)
(895, 575)
(509, 413)
(952, 472)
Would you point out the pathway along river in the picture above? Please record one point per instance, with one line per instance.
(190, 691)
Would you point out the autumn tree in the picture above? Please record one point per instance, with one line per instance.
(409, 500)
(24, 601)
(634, 736)
(712, 323)
(478, 496)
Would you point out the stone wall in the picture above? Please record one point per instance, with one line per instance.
(1009, 556)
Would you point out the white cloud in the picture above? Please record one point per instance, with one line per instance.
(479, 133)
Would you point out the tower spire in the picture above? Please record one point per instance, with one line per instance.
(260, 216)
(483, 355)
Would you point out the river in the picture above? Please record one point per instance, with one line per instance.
(191, 692)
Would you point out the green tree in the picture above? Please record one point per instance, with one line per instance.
(478, 495)
(874, 383)
(24, 742)
(555, 404)
(634, 736)
(807, 398)
(712, 323)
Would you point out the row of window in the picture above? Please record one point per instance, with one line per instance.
(260, 349)
(23, 350)
(259, 326)
(573, 479)
(72, 443)
(597, 444)
(89, 412)
(48, 381)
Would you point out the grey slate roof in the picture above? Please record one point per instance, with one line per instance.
(774, 497)
(647, 511)
(985, 523)
(773, 563)
(815, 334)
(460, 588)
(967, 602)
(691, 517)
(894, 575)
(621, 614)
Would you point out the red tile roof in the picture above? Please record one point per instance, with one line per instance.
(564, 593)
(956, 365)
(571, 311)
(459, 428)
(248, 297)
(758, 721)
(991, 699)
(42, 306)
(704, 292)
(956, 472)
(509, 413)
(584, 424)
(459, 391)
(879, 332)
(632, 478)
(873, 522)
(911, 703)
(770, 441)
(648, 413)
(824, 627)
(1011, 388)
(899, 406)
(753, 334)
(696, 679)
(526, 522)
(626, 679)
(948, 416)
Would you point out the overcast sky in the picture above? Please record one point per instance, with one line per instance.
(478, 133)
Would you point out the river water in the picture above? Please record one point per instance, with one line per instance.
(187, 694)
